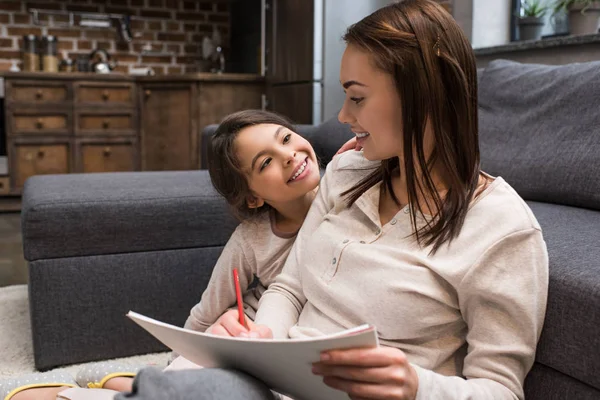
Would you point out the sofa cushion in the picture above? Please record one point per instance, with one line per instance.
(540, 129)
(109, 213)
(570, 342)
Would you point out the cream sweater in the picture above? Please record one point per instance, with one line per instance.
(468, 318)
(257, 249)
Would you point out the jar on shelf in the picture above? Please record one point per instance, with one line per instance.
(49, 53)
(67, 65)
(31, 58)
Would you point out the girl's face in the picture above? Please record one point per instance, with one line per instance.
(372, 106)
(280, 165)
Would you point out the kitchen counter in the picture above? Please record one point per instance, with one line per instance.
(554, 51)
(202, 76)
(524, 45)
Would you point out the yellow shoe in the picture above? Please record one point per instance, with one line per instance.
(11, 386)
(96, 375)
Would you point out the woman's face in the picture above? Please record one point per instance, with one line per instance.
(372, 106)
(280, 165)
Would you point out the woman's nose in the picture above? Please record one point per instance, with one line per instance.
(344, 116)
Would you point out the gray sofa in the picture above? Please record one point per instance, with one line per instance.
(99, 245)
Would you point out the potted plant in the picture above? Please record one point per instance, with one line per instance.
(531, 20)
(584, 15)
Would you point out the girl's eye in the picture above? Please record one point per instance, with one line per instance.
(357, 100)
(265, 164)
(287, 138)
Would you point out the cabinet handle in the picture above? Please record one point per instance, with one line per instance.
(105, 95)
(147, 93)
(39, 94)
(39, 123)
(40, 154)
(105, 124)
(106, 151)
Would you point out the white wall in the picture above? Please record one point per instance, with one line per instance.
(337, 16)
(491, 23)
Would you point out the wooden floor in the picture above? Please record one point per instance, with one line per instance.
(13, 268)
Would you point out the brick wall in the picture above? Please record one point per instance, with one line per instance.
(173, 28)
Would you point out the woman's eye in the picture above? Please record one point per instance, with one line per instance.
(287, 138)
(265, 164)
(357, 100)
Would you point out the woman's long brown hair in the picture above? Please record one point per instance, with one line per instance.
(433, 66)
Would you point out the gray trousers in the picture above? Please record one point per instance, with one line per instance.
(196, 384)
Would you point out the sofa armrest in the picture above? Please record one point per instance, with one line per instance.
(110, 213)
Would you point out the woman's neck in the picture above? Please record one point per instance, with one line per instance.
(426, 202)
(290, 215)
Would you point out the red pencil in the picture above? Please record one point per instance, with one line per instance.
(238, 295)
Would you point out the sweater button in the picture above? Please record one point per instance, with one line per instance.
(334, 260)
(345, 241)
(393, 221)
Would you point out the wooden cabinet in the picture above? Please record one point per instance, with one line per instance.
(116, 94)
(34, 92)
(106, 155)
(168, 134)
(38, 121)
(174, 110)
(38, 157)
(58, 124)
(105, 127)
(4, 185)
(64, 123)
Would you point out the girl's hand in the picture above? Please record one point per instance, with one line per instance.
(228, 324)
(349, 145)
(369, 373)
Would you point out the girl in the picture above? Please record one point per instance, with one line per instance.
(269, 175)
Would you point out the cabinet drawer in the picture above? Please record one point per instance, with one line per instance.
(37, 92)
(30, 159)
(105, 123)
(102, 93)
(107, 156)
(50, 123)
(4, 185)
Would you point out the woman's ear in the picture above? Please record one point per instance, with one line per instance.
(254, 202)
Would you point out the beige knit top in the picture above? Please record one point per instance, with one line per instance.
(468, 317)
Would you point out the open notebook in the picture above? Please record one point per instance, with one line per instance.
(284, 365)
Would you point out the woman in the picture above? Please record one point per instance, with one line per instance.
(446, 261)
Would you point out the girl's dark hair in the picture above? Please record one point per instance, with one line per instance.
(433, 66)
(223, 165)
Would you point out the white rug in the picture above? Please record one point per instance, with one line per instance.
(16, 349)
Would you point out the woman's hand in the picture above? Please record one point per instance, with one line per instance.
(228, 324)
(373, 373)
(349, 145)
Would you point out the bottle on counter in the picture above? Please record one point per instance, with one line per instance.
(31, 58)
(49, 54)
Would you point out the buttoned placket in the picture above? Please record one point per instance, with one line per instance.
(370, 210)
(335, 260)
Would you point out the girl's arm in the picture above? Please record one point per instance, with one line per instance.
(220, 292)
